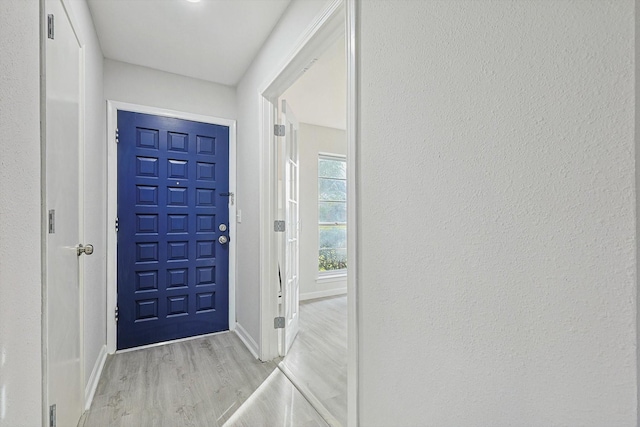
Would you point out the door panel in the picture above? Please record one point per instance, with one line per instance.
(291, 282)
(173, 183)
(63, 358)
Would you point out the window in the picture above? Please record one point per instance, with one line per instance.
(332, 214)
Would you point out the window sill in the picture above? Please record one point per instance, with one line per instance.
(332, 277)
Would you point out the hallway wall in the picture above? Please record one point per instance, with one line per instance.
(20, 215)
(145, 86)
(503, 289)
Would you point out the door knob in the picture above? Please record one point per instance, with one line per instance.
(87, 250)
(223, 239)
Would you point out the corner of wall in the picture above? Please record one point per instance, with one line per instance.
(248, 341)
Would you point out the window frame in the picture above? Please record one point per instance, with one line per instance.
(328, 275)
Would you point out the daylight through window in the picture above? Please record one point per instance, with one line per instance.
(332, 214)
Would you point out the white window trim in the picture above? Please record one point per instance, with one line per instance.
(331, 275)
(332, 156)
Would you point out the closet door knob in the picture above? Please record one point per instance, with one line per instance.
(87, 250)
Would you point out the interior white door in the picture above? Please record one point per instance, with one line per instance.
(291, 279)
(63, 83)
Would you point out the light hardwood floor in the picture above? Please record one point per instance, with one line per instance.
(200, 382)
(215, 381)
(317, 360)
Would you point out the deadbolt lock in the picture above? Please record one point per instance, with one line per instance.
(222, 227)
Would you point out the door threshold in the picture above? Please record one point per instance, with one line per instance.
(158, 344)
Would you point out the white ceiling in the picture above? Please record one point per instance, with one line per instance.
(213, 40)
(319, 96)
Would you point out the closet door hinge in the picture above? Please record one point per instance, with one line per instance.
(52, 415)
(117, 225)
(50, 26)
(116, 314)
(52, 221)
(117, 136)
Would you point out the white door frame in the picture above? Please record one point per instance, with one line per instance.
(327, 26)
(353, 162)
(112, 205)
(320, 35)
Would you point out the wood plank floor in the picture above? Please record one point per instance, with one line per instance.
(215, 381)
(317, 360)
(200, 382)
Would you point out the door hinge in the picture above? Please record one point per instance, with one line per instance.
(50, 26)
(117, 225)
(52, 221)
(116, 314)
(279, 226)
(278, 322)
(52, 416)
(117, 136)
(279, 130)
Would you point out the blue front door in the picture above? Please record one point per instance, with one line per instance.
(173, 184)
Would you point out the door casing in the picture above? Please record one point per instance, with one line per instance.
(325, 30)
(112, 206)
(338, 18)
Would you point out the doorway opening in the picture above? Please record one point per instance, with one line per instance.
(305, 244)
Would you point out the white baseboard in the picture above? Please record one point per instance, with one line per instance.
(322, 294)
(247, 340)
(92, 384)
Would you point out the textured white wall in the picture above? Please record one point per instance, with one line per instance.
(146, 86)
(20, 239)
(497, 148)
(278, 46)
(95, 195)
(315, 140)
